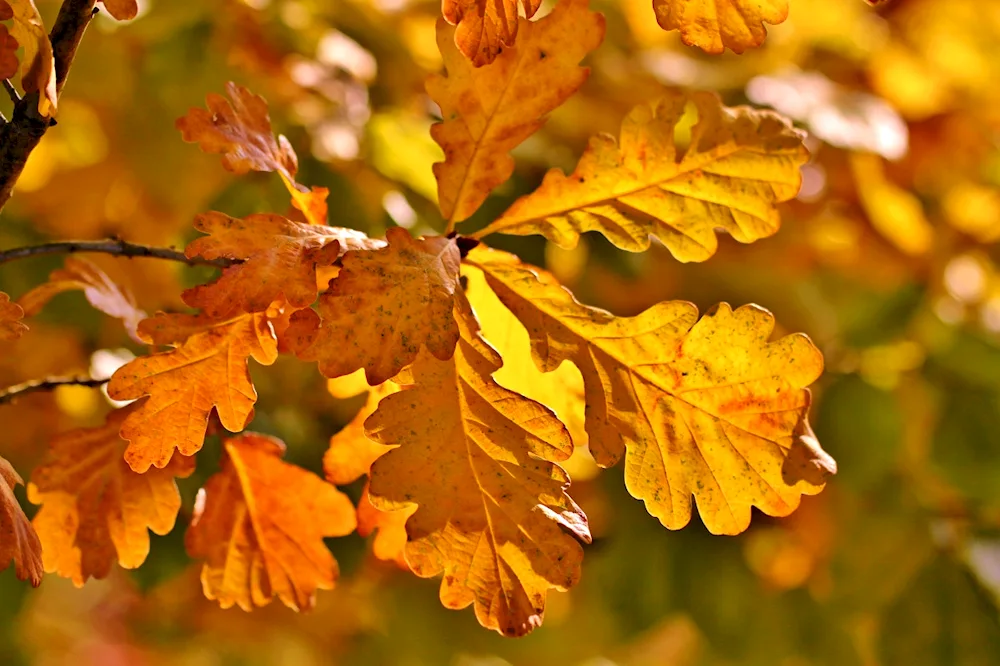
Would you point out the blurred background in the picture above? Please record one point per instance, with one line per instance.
(888, 259)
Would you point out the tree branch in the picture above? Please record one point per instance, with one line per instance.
(26, 127)
(115, 247)
(12, 393)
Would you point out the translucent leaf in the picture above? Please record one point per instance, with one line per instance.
(38, 67)
(714, 25)
(18, 541)
(485, 27)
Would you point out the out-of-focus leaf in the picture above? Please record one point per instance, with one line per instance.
(488, 111)
(259, 525)
(206, 370)
(123, 10)
(895, 213)
(38, 68)
(392, 301)
(714, 25)
(484, 28)
(739, 163)
(11, 314)
(707, 408)
(492, 513)
(95, 509)
(18, 541)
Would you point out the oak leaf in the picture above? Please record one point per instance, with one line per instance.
(8, 50)
(706, 407)
(99, 289)
(485, 27)
(95, 509)
(259, 525)
(18, 541)
(740, 162)
(488, 111)
(479, 462)
(714, 25)
(207, 369)
(389, 528)
(278, 261)
(38, 67)
(351, 452)
(382, 308)
(122, 10)
(11, 314)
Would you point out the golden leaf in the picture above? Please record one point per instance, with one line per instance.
(382, 307)
(740, 162)
(706, 408)
(38, 68)
(279, 259)
(492, 511)
(389, 528)
(485, 27)
(99, 289)
(95, 509)
(895, 213)
(714, 25)
(11, 327)
(259, 525)
(488, 111)
(351, 452)
(207, 370)
(18, 541)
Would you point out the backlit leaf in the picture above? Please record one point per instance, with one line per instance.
(38, 68)
(739, 163)
(382, 308)
(896, 213)
(206, 370)
(714, 25)
(259, 525)
(18, 541)
(706, 407)
(389, 527)
(95, 509)
(100, 290)
(351, 452)
(485, 27)
(279, 259)
(478, 461)
(11, 327)
(123, 10)
(488, 111)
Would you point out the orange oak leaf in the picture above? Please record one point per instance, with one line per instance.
(714, 25)
(99, 289)
(8, 48)
(478, 461)
(11, 314)
(38, 67)
(382, 307)
(310, 202)
(488, 111)
(739, 164)
(18, 541)
(351, 452)
(123, 10)
(707, 408)
(485, 27)
(389, 528)
(95, 509)
(279, 259)
(207, 369)
(259, 525)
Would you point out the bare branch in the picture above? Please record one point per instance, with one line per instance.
(12, 393)
(115, 247)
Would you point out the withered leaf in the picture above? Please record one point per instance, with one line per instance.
(485, 27)
(18, 541)
(11, 314)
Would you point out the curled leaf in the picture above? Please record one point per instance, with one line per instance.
(485, 27)
(38, 67)
(11, 314)
(18, 541)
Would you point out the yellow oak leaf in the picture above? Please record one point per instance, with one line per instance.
(707, 407)
(560, 390)
(95, 509)
(488, 111)
(11, 314)
(739, 164)
(259, 525)
(895, 213)
(18, 541)
(478, 461)
(38, 67)
(485, 27)
(8, 49)
(207, 369)
(389, 528)
(278, 261)
(122, 10)
(382, 308)
(99, 289)
(351, 452)
(714, 25)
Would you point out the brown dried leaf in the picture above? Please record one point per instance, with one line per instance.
(485, 27)
(11, 314)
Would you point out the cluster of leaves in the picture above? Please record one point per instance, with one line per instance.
(463, 469)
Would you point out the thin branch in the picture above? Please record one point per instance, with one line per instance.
(12, 393)
(21, 135)
(115, 247)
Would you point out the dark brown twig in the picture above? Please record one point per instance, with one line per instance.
(115, 247)
(11, 393)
